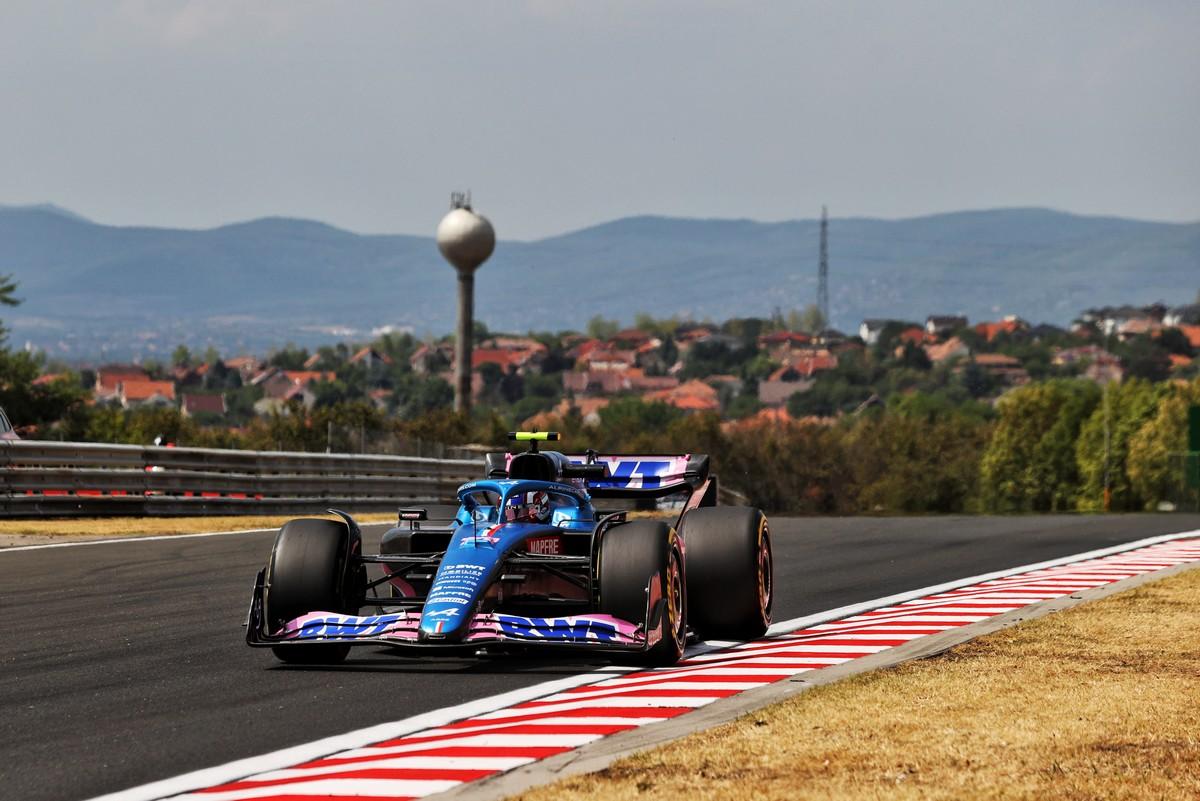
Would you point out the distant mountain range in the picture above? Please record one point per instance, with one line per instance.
(90, 288)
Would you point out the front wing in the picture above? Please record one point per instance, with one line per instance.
(588, 631)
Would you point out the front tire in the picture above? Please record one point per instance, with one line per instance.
(309, 572)
(730, 571)
(631, 556)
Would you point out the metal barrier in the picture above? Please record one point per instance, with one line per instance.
(73, 478)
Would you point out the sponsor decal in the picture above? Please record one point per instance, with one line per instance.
(489, 536)
(450, 612)
(349, 626)
(565, 629)
(551, 546)
(635, 473)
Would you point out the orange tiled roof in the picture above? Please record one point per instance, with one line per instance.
(1192, 332)
(501, 356)
(144, 390)
(996, 360)
(1179, 360)
(303, 377)
(990, 331)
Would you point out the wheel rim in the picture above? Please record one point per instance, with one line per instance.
(764, 577)
(674, 597)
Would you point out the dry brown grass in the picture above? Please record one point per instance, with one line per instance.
(94, 527)
(1100, 701)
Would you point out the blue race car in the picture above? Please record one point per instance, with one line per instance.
(527, 560)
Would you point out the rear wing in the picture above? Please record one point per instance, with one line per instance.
(627, 475)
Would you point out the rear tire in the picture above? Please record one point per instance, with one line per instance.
(308, 572)
(730, 573)
(631, 554)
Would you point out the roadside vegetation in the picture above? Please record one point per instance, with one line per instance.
(1000, 417)
(1093, 702)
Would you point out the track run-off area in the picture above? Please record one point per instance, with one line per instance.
(124, 662)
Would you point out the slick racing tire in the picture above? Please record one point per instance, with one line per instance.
(730, 575)
(308, 573)
(631, 555)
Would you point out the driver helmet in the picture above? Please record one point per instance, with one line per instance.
(529, 507)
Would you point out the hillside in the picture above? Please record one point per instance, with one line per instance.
(272, 280)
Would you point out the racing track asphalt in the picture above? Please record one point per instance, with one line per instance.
(124, 663)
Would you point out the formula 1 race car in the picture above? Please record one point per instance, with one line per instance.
(527, 561)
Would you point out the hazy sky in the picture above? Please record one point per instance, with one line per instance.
(559, 115)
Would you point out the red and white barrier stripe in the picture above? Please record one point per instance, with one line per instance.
(436, 759)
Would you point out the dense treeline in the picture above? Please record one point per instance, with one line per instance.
(883, 431)
(1041, 448)
(1043, 451)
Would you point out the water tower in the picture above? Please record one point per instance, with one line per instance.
(466, 240)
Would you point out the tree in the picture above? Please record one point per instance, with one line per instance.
(289, 358)
(1175, 341)
(1130, 405)
(29, 404)
(181, 357)
(1030, 463)
(1154, 463)
(7, 287)
(913, 464)
(1145, 358)
(600, 328)
(812, 320)
(416, 395)
(915, 357)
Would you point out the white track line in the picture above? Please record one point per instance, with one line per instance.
(149, 538)
(490, 707)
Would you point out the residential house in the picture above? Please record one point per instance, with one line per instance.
(137, 392)
(914, 335)
(1110, 319)
(690, 396)
(587, 408)
(581, 348)
(631, 338)
(431, 358)
(829, 337)
(1084, 354)
(1179, 361)
(1010, 325)
(380, 397)
(1006, 368)
(1192, 332)
(870, 329)
(943, 325)
(284, 385)
(687, 338)
(781, 345)
(942, 352)
(612, 382)
(193, 404)
(1138, 326)
(1098, 364)
(510, 354)
(247, 366)
(1182, 315)
(110, 377)
(783, 384)
(811, 362)
(607, 358)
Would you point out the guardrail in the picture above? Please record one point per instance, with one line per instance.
(72, 478)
